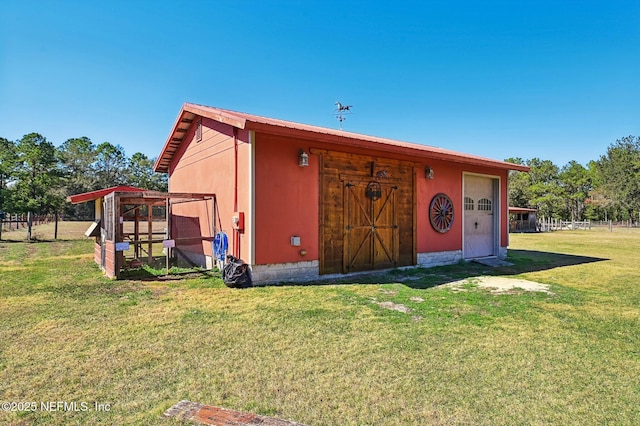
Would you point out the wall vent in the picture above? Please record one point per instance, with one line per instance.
(199, 130)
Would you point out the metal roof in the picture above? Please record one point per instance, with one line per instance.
(258, 123)
(94, 195)
(521, 210)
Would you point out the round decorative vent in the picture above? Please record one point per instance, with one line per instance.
(441, 213)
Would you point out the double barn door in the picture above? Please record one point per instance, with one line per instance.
(371, 226)
(367, 214)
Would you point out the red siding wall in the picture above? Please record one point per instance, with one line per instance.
(209, 166)
(287, 201)
(448, 178)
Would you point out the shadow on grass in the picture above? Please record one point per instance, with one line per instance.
(421, 278)
(533, 261)
(150, 274)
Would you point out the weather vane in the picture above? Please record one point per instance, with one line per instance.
(340, 112)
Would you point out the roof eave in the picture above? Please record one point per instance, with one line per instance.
(171, 145)
(181, 127)
(424, 151)
(216, 114)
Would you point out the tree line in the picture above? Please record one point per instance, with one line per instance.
(606, 189)
(36, 177)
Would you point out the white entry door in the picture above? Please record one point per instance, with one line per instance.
(480, 212)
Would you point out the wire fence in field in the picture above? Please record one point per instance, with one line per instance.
(549, 224)
(13, 222)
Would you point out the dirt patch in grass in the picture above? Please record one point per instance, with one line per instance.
(394, 307)
(501, 285)
(399, 307)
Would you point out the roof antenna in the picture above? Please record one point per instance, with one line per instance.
(340, 112)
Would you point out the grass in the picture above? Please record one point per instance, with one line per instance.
(329, 354)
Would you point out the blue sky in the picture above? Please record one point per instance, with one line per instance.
(558, 80)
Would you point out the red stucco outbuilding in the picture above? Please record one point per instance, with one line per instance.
(302, 202)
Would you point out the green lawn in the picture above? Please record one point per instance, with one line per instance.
(329, 354)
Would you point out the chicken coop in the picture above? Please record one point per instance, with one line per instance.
(134, 227)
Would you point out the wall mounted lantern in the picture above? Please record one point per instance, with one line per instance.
(303, 158)
(428, 172)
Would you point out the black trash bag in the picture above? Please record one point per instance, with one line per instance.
(235, 273)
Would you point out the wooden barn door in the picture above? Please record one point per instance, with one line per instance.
(360, 232)
(371, 228)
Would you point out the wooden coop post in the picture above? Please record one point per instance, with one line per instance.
(167, 217)
(136, 231)
(150, 232)
(118, 237)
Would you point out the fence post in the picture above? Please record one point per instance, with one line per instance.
(29, 225)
